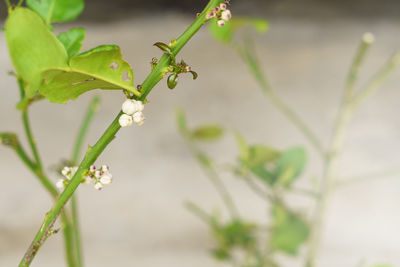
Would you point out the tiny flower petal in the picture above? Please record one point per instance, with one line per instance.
(98, 186)
(87, 180)
(60, 184)
(125, 120)
(65, 171)
(139, 118)
(105, 168)
(217, 9)
(139, 106)
(221, 23)
(210, 15)
(73, 171)
(106, 179)
(92, 168)
(98, 174)
(222, 6)
(226, 15)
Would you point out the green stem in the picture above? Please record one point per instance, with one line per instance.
(37, 169)
(8, 3)
(93, 106)
(248, 55)
(94, 152)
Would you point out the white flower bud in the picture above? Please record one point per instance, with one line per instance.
(139, 118)
(226, 15)
(65, 171)
(125, 120)
(105, 168)
(98, 174)
(92, 168)
(222, 6)
(221, 23)
(106, 178)
(139, 106)
(98, 186)
(60, 184)
(130, 106)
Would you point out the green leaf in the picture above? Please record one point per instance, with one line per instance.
(260, 155)
(226, 33)
(60, 10)
(72, 40)
(288, 231)
(33, 47)
(208, 132)
(290, 165)
(99, 68)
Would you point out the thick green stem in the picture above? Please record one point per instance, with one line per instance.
(94, 152)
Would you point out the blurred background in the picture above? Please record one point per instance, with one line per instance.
(140, 219)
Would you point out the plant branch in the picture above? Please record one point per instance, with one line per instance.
(247, 52)
(94, 152)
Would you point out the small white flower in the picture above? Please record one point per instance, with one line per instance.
(217, 9)
(106, 178)
(210, 15)
(226, 15)
(139, 118)
(222, 6)
(98, 174)
(65, 171)
(60, 184)
(221, 22)
(98, 186)
(105, 168)
(92, 168)
(125, 120)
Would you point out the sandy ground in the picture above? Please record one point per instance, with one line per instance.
(140, 220)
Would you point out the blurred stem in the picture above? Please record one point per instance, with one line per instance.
(349, 103)
(94, 152)
(8, 3)
(366, 177)
(37, 168)
(247, 52)
(213, 176)
(75, 159)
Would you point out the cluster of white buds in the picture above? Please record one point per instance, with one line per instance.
(101, 176)
(132, 113)
(221, 12)
(68, 173)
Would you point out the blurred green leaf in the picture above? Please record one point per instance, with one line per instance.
(72, 40)
(99, 68)
(290, 165)
(288, 231)
(208, 132)
(33, 48)
(260, 155)
(226, 33)
(181, 120)
(243, 147)
(61, 10)
(233, 234)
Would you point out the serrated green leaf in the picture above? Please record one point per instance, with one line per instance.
(33, 47)
(290, 165)
(288, 231)
(208, 132)
(226, 33)
(99, 68)
(72, 40)
(61, 10)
